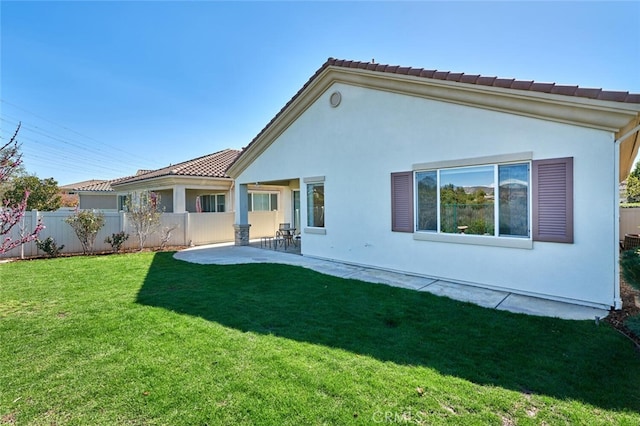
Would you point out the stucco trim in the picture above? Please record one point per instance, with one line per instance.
(478, 240)
(317, 231)
(477, 161)
(315, 179)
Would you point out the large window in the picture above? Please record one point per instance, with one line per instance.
(214, 203)
(479, 200)
(315, 205)
(263, 201)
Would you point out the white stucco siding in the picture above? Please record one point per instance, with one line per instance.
(373, 133)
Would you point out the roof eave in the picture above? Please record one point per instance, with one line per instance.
(171, 180)
(604, 115)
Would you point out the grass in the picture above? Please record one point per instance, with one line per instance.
(146, 339)
(633, 323)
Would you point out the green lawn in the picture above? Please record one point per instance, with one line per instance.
(146, 339)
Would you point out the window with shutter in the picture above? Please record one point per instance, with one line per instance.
(553, 200)
(402, 202)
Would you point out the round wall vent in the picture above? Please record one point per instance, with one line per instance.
(335, 99)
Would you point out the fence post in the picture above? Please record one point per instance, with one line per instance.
(187, 240)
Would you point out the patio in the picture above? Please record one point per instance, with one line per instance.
(270, 243)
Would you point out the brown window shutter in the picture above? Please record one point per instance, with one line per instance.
(402, 202)
(553, 200)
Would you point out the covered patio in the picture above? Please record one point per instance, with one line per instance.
(280, 196)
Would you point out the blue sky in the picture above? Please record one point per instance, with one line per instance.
(106, 88)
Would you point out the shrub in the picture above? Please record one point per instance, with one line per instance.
(117, 240)
(633, 324)
(86, 224)
(630, 266)
(143, 214)
(49, 246)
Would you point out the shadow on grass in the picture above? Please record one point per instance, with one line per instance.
(562, 359)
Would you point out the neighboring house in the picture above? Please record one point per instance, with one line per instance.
(196, 185)
(501, 183)
(94, 194)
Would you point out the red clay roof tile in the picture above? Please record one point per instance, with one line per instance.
(454, 76)
(633, 98)
(564, 90)
(541, 87)
(521, 85)
(584, 92)
(504, 82)
(440, 75)
(469, 78)
(486, 81)
(613, 96)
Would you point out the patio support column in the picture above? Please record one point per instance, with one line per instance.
(241, 227)
(179, 199)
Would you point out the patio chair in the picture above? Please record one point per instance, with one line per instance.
(630, 242)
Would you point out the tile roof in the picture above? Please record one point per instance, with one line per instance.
(211, 165)
(95, 185)
(509, 83)
(74, 186)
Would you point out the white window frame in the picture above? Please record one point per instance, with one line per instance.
(271, 194)
(487, 240)
(215, 204)
(316, 180)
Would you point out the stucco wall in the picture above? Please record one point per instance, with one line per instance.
(98, 201)
(372, 133)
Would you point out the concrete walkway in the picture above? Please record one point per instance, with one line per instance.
(228, 254)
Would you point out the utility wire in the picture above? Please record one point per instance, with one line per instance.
(111, 147)
(91, 154)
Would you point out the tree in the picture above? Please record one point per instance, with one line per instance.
(69, 200)
(143, 212)
(633, 185)
(86, 225)
(43, 193)
(12, 214)
(10, 153)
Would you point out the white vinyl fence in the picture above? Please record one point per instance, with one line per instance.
(629, 221)
(191, 229)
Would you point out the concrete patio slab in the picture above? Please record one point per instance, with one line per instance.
(466, 293)
(549, 308)
(394, 279)
(228, 254)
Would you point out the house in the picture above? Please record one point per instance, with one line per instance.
(200, 184)
(94, 194)
(499, 183)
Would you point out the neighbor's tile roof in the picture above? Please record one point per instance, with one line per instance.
(95, 185)
(74, 186)
(510, 83)
(212, 165)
